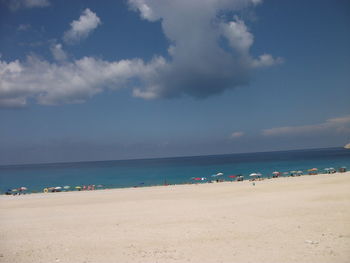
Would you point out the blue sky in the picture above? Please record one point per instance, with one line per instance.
(86, 80)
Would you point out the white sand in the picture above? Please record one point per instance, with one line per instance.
(301, 219)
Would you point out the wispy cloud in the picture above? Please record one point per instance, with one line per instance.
(23, 27)
(236, 135)
(18, 4)
(340, 125)
(82, 28)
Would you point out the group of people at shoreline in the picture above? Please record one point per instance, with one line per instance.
(219, 177)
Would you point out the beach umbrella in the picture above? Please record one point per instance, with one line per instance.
(313, 170)
(197, 178)
(253, 174)
(219, 174)
(276, 174)
(23, 188)
(232, 176)
(78, 187)
(14, 190)
(66, 187)
(58, 188)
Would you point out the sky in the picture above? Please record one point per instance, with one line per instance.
(107, 80)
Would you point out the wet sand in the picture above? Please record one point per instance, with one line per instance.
(294, 219)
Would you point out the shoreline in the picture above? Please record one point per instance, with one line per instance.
(178, 184)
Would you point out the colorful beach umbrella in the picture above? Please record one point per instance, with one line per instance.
(232, 176)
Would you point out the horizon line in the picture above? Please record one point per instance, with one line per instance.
(155, 158)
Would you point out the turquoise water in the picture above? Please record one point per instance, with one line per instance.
(170, 170)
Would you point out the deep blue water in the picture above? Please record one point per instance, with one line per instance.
(129, 173)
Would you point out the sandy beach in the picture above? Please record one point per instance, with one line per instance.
(294, 219)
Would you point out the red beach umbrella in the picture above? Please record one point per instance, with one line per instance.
(232, 176)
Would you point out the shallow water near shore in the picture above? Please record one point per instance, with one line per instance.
(177, 170)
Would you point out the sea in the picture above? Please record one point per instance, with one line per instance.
(160, 171)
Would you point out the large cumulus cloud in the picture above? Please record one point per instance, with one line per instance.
(200, 66)
(208, 54)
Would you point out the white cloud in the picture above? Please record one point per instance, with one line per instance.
(17, 4)
(235, 135)
(266, 60)
(58, 53)
(339, 125)
(81, 28)
(238, 35)
(69, 82)
(145, 11)
(199, 66)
